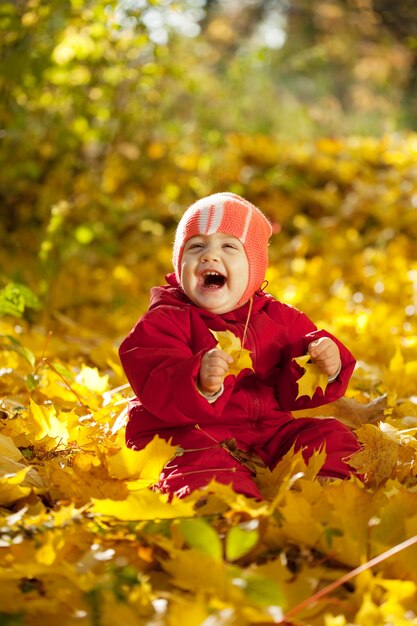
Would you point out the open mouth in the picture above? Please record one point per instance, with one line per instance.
(213, 280)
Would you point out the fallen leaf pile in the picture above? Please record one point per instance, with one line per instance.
(84, 539)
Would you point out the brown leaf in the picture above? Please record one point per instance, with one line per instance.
(378, 457)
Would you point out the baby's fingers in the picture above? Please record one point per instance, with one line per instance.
(325, 354)
(217, 357)
(215, 363)
(322, 348)
(214, 367)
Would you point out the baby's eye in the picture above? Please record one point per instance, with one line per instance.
(196, 245)
(230, 245)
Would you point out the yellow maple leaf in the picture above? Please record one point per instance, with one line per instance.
(144, 505)
(219, 493)
(292, 468)
(9, 449)
(210, 573)
(46, 425)
(11, 487)
(231, 344)
(90, 378)
(192, 612)
(146, 464)
(17, 481)
(312, 379)
(379, 455)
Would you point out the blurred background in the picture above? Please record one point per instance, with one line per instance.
(116, 115)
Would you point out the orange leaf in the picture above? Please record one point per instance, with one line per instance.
(379, 455)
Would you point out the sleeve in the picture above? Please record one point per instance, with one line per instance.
(211, 397)
(301, 333)
(162, 370)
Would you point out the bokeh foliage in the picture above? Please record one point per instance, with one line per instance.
(107, 130)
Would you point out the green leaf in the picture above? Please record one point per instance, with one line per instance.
(200, 535)
(263, 591)
(7, 342)
(32, 381)
(15, 298)
(239, 542)
(64, 371)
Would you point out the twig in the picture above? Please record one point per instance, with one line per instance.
(49, 364)
(346, 577)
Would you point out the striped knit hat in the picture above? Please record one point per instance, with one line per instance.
(230, 214)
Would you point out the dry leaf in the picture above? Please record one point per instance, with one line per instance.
(231, 344)
(379, 456)
(349, 411)
(312, 379)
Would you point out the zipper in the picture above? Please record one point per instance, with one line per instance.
(251, 342)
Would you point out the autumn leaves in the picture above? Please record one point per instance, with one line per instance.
(312, 379)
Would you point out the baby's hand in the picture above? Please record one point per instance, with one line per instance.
(325, 354)
(214, 366)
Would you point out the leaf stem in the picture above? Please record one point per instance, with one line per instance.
(245, 331)
(49, 364)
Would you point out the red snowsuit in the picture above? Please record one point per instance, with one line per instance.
(161, 357)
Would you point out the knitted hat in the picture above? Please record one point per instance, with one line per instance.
(230, 214)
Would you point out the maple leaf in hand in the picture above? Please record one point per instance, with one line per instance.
(231, 344)
(312, 378)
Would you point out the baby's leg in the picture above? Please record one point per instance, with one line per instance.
(310, 434)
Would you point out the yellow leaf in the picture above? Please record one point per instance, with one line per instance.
(295, 588)
(74, 483)
(17, 483)
(15, 477)
(132, 611)
(379, 455)
(146, 464)
(47, 424)
(290, 469)
(51, 543)
(312, 379)
(183, 610)
(9, 449)
(11, 488)
(91, 379)
(231, 344)
(218, 494)
(15, 473)
(347, 507)
(144, 505)
(402, 437)
(209, 575)
(300, 520)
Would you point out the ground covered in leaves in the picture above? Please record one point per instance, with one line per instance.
(82, 537)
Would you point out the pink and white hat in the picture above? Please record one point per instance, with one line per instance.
(230, 214)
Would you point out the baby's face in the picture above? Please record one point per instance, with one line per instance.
(214, 271)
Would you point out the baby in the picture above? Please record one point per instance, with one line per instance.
(184, 390)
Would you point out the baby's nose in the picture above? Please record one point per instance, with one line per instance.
(210, 255)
